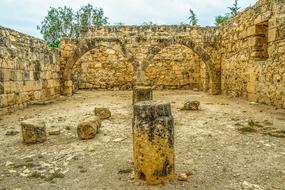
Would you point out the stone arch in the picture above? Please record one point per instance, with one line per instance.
(103, 68)
(82, 46)
(162, 43)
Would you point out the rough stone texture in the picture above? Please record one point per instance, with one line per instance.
(252, 49)
(191, 105)
(153, 142)
(142, 93)
(28, 71)
(121, 56)
(88, 128)
(33, 131)
(102, 113)
(242, 58)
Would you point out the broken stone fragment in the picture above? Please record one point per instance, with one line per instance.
(54, 132)
(88, 128)
(191, 105)
(102, 113)
(33, 131)
(182, 177)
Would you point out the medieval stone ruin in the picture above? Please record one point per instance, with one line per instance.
(128, 107)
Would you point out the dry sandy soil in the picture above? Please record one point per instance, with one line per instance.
(228, 144)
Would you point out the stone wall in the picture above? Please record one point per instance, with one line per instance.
(253, 54)
(166, 57)
(28, 71)
(175, 67)
(242, 58)
(103, 68)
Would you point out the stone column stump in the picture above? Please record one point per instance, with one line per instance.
(33, 131)
(153, 142)
(142, 93)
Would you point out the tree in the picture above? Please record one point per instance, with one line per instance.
(234, 9)
(64, 22)
(221, 19)
(192, 18)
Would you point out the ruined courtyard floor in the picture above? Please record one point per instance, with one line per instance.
(227, 143)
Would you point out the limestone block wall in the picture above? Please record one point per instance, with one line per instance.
(253, 54)
(103, 68)
(28, 70)
(165, 66)
(175, 67)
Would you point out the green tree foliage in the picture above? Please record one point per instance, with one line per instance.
(234, 9)
(64, 22)
(193, 20)
(221, 19)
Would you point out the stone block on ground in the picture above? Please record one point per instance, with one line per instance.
(88, 128)
(33, 131)
(102, 113)
(191, 105)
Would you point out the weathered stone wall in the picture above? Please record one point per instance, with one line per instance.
(166, 57)
(253, 54)
(103, 68)
(28, 70)
(175, 67)
(242, 58)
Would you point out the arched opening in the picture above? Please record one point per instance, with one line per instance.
(103, 68)
(83, 46)
(209, 74)
(176, 67)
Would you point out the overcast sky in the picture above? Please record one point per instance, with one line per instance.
(25, 15)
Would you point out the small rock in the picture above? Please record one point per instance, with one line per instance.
(191, 105)
(118, 140)
(102, 113)
(8, 163)
(55, 132)
(12, 133)
(182, 177)
(89, 128)
(195, 89)
(248, 186)
(33, 131)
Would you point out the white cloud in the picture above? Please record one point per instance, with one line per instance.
(25, 15)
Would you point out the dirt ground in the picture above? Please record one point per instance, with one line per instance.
(228, 145)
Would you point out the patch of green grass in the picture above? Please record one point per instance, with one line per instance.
(125, 171)
(247, 130)
(55, 175)
(36, 174)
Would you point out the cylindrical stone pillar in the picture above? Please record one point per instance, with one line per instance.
(142, 93)
(153, 142)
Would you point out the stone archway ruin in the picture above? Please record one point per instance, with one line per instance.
(72, 51)
(139, 45)
(162, 43)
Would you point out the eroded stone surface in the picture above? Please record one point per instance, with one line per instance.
(33, 131)
(102, 113)
(153, 137)
(191, 105)
(88, 128)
